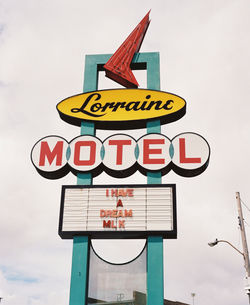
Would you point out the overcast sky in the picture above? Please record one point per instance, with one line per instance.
(204, 52)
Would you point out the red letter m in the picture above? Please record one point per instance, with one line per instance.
(51, 155)
(106, 224)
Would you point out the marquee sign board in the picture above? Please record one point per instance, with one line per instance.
(118, 211)
(120, 155)
(122, 108)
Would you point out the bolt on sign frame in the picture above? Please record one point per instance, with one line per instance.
(79, 273)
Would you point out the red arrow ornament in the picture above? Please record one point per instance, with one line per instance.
(117, 67)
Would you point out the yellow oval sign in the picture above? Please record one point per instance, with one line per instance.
(122, 108)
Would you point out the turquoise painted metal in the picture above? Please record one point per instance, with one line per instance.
(79, 271)
(154, 126)
(154, 178)
(80, 259)
(155, 295)
(155, 280)
(84, 179)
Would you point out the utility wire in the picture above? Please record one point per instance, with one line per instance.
(246, 223)
(245, 205)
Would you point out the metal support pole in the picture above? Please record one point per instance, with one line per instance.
(155, 279)
(155, 283)
(244, 240)
(80, 257)
(79, 271)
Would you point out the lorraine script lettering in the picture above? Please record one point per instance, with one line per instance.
(102, 109)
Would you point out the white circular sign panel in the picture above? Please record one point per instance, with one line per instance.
(191, 154)
(119, 152)
(153, 151)
(85, 153)
(49, 154)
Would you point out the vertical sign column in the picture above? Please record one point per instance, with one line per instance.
(155, 281)
(80, 256)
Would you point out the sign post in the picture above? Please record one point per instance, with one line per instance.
(80, 256)
(155, 279)
(120, 155)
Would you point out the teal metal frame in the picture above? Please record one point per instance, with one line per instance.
(149, 61)
(155, 278)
